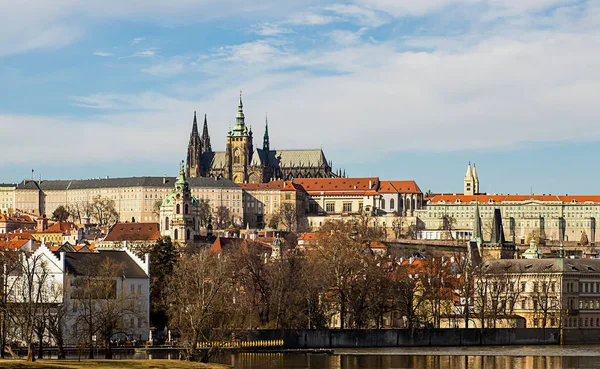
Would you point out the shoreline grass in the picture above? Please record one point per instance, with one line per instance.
(107, 364)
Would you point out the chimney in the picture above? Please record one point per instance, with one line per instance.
(164, 179)
(410, 261)
(370, 184)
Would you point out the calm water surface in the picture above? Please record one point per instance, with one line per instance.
(527, 357)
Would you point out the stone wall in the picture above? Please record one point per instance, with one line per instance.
(336, 338)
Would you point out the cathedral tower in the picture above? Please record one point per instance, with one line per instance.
(205, 140)
(238, 150)
(193, 167)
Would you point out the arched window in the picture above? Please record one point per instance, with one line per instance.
(185, 209)
(392, 204)
(383, 203)
(166, 223)
(187, 234)
(175, 234)
(237, 157)
(178, 209)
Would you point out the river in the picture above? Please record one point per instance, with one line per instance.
(513, 357)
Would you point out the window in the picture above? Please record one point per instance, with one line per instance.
(392, 204)
(178, 209)
(360, 206)
(330, 207)
(175, 234)
(383, 203)
(185, 209)
(523, 285)
(139, 289)
(187, 234)
(288, 196)
(347, 207)
(132, 289)
(166, 223)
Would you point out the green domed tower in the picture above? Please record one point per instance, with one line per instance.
(179, 215)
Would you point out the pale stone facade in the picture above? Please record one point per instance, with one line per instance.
(7, 198)
(565, 293)
(555, 217)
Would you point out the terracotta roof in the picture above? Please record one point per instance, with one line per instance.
(134, 232)
(308, 236)
(516, 198)
(226, 244)
(13, 244)
(60, 227)
(16, 218)
(344, 185)
(399, 187)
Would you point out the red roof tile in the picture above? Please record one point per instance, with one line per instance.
(134, 232)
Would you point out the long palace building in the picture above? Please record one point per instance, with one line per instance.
(560, 218)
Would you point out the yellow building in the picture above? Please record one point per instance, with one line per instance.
(7, 198)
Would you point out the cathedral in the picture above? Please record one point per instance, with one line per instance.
(243, 163)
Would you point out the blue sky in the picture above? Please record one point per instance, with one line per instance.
(401, 89)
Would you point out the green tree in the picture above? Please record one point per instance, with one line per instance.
(60, 214)
(163, 258)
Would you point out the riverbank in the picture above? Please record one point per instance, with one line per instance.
(107, 364)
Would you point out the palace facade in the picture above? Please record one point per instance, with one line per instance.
(560, 218)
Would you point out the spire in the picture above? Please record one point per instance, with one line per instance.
(475, 172)
(477, 225)
(266, 145)
(194, 151)
(195, 125)
(240, 128)
(206, 147)
(469, 174)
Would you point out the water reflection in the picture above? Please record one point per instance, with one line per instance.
(291, 361)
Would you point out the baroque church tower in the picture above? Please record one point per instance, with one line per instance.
(238, 149)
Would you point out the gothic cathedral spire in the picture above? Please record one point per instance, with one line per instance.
(266, 137)
(192, 167)
(205, 137)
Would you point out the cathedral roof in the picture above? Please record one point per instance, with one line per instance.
(297, 158)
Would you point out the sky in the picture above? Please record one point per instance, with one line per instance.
(399, 89)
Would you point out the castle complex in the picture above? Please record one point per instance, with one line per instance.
(241, 162)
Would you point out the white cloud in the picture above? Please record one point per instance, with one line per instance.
(150, 52)
(102, 53)
(270, 29)
(137, 40)
(170, 68)
(361, 15)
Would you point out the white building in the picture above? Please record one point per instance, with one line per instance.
(64, 272)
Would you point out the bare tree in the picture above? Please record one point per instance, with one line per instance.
(200, 299)
(286, 215)
(204, 210)
(78, 210)
(222, 217)
(31, 292)
(104, 305)
(103, 210)
(545, 299)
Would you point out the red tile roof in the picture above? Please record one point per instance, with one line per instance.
(308, 236)
(134, 232)
(337, 185)
(399, 187)
(515, 198)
